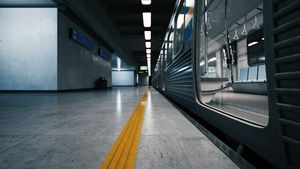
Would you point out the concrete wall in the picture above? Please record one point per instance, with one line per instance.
(78, 67)
(28, 49)
(123, 78)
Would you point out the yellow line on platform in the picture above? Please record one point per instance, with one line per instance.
(123, 152)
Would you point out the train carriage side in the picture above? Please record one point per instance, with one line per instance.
(235, 64)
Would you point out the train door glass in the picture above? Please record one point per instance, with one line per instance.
(189, 6)
(184, 24)
(170, 46)
(179, 30)
(163, 66)
(231, 71)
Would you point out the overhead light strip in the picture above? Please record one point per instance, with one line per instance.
(147, 24)
(147, 35)
(148, 51)
(148, 44)
(146, 2)
(252, 43)
(147, 19)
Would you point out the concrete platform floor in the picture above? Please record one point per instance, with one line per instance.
(77, 129)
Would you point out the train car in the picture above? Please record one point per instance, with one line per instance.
(235, 64)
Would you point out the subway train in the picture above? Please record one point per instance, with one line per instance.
(235, 66)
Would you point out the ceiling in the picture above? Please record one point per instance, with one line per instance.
(127, 18)
(123, 21)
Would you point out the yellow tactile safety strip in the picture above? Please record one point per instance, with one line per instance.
(123, 152)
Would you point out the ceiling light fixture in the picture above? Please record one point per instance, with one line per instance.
(146, 2)
(148, 55)
(148, 51)
(252, 43)
(147, 35)
(212, 59)
(147, 19)
(148, 44)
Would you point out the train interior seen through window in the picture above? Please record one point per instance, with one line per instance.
(231, 61)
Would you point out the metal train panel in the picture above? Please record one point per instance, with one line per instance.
(279, 141)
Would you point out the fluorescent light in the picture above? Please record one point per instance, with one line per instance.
(148, 44)
(252, 43)
(146, 2)
(202, 63)
(189, 3)
(147, 19)
(147, 35)
(180, 20)
(262, 38)
(149, 66)
(118, 64)
(148, 51)
(212, 59)
(148, 55)
(261, 58)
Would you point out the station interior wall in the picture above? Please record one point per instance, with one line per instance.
(78, 67)
(28, 49)
(123, 78)
(36, 52)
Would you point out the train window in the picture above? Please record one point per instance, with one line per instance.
(179, 30)
(166, 52)
(163, 65)
(166, 49)
(255, 48)
(231, 68)
(188, 22)
(184, 24)
(170, 45)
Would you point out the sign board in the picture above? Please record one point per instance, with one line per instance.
(81, 39)
(104, 53)
(143, 67)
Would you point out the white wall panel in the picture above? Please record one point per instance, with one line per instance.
(28, 49)
(122, 78)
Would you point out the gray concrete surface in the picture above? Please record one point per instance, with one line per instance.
(76, 130)
(170, 141)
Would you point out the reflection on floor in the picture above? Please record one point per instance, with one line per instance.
(77, 129)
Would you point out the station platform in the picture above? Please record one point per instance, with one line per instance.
(78, 130)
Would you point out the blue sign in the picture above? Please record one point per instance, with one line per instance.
(104, 53)
(81, 39)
